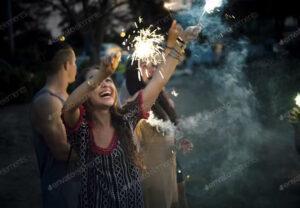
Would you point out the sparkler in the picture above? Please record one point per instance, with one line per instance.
(211, 5)
(297, 100)
(146, 44)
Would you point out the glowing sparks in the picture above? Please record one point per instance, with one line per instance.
(136, 26)
(140, 19)
(174, 93)
(147, 46)
(297, 100)
(211, 5)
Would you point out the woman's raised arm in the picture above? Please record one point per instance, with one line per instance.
(70, 110)
(175, 53)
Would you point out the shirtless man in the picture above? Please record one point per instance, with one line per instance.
(50, 140)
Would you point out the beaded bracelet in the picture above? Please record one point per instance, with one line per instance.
(174, 54)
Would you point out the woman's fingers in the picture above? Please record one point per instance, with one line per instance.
(110, 62)
(173, 26)
(115, 60)
(192, 32)
(180, 31)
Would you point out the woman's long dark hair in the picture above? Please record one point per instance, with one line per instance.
(123, 130)
(162, 108)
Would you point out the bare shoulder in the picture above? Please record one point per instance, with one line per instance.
(46, 107)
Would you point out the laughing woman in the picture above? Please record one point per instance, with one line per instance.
(102, 133)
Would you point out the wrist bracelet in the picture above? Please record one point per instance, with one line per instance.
(177, 58)
(169, 47)
(174, 52)
(179, 50)
(180, 40)
(176, 55)
(181, 45)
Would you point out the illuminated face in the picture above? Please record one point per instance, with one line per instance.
(104, 95)
(72, 68)
(147, 71)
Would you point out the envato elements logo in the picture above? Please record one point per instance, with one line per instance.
(77, 27)
(238, 24)
(17, 18)
(14, 165)
(290, 37)
(224, 177)
(289, 183)
(13, 95)
(68, 177)
(150, 173)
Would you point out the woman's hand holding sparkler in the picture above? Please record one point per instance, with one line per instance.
(191, 33)
(111, 62)
(173, 34)
(178, 38)
(176, 42)
(176, 32)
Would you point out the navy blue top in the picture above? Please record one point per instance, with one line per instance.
(59, 187)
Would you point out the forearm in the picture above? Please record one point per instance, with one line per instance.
(159, 80)
(167, 50)
(80, 95)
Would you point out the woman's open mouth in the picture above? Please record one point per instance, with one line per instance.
(106, 94)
